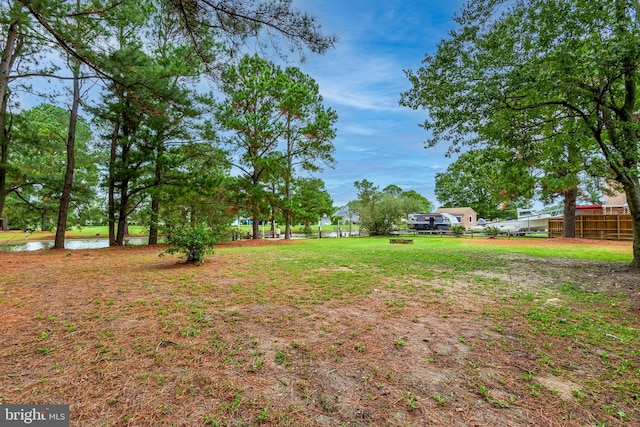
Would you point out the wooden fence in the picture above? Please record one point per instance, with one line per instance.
(602, 227)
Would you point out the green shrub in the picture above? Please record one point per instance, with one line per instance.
(492, 231)
(192, 242)
(458, 230)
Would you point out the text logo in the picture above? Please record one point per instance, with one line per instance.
(34, 415)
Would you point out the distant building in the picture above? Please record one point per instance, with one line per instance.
(466, 216)
(346, 215)
(242, 221)
(616, 204)
(589, 210)
(325, 220)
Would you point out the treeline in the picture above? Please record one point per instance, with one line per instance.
(157, 111)
(539, 93)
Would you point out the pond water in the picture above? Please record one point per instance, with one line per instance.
(69, 244)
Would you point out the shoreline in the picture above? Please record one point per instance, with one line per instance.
(46, 236)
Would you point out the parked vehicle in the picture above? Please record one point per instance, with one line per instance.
(527, 221)
(431, 221)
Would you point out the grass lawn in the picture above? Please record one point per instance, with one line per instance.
(328, 332)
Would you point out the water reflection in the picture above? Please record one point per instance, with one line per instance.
(70, 244)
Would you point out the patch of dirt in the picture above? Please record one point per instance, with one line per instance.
(553, 242)
(127, 338)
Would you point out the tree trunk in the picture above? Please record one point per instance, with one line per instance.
(288, 178)
(153, 228)
(632, 190)
(122, 225)
(112, 184)
(255, 227)
(569, 228)
(287, 227)
(4, 151)
(71, 162)
(9, 54)
(155, 202)
(122, 212)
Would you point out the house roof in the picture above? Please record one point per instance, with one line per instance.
(617, 199)
(345, 212)
(589, 207)
(463, 210)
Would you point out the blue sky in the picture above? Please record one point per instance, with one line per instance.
(362, 79)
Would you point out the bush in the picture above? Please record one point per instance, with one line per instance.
(492, 231)
(192, 242)
(458, 230)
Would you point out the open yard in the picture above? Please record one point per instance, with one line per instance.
(330, 332)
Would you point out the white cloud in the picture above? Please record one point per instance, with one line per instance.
(362, 79)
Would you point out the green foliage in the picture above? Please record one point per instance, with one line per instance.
(422, 203)
(156, 51)
(488, 180)
(309, 201)
(458, 230)
(197, 176)
(276, 124)
(36, 167)
(553, 81)
(382, 212)
(279, 23)
(491, 231)
(250, 116)
(193, 242)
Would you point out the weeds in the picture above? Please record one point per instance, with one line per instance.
(411, 399)
(440, 399)
(282, 358)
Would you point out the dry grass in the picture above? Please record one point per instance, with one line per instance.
(127, 338)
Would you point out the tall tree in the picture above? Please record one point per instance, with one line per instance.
(422, 203)
(171, 125)
(19, 45)
(126, 107)
(196, 189)
(382, 212)
(65, 197)
(557, 149)
(251, 114)
(490, 181)
(36, 167)
(147, 110)
(12, 18)
(308, 131)
(309, 201)
(540, 59)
